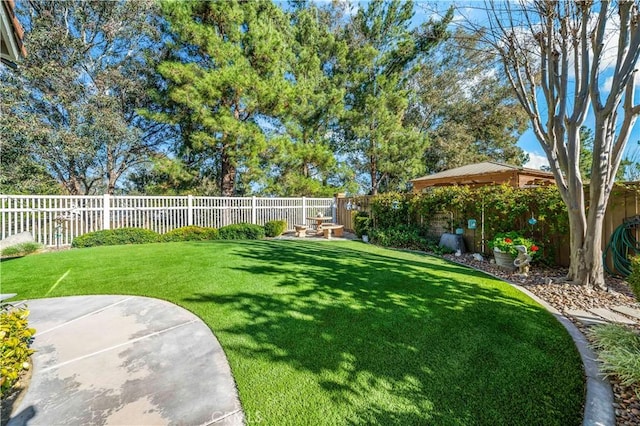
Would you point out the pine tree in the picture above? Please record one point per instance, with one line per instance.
(382, 51)
(228, 76)
(301, 159)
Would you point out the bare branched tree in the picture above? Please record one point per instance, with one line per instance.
(557, 56)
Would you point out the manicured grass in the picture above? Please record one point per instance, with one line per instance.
(344, 333)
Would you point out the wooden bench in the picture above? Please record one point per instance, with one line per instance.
(301, 230)
(332, 228)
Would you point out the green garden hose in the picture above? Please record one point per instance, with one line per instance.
(623, 245)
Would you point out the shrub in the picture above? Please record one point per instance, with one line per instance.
(403, 236)
(361, 224)
(619, 351)
(114, 237)
(634, 278)
(15, 337)
(390, 210)
(433, 246)
(241, 231)
(407, 237)
(274, 228)
(22, 249)
(191, 233)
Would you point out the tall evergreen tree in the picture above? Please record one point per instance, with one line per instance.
(228, 79)
(382, 52)
(301, 158)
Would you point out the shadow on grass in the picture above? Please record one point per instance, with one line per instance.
(397, 340)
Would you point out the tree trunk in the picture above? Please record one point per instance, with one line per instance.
(111, 183)
(305, 163)
(577, 234)
(602, 177)
(373, 169)
(73, 186)
(586, 264)
(585, 231)
(228, 178)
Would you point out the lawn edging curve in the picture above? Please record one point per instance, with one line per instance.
(598, 404)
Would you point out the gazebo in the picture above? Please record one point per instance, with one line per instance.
(487, 173)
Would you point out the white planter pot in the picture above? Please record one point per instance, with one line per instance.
(504, 260)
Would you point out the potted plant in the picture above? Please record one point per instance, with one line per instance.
(361, 225)
(504, 248)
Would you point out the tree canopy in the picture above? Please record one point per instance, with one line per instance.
(383, 53)
(246, 97)
(465, 106)
(72, 106)
(228, 77)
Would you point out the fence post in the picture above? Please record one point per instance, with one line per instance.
(334, 210)
(304, 210)
(338, 206)
(106, 212)
(253, 210)
(189, 210)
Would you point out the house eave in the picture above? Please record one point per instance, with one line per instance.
(11, 33)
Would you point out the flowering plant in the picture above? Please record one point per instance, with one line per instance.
(507, 242)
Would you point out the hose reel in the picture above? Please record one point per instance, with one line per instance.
(622, 245)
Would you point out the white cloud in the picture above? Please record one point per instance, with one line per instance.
(536, 161)
(606, 86)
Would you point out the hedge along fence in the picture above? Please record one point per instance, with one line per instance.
(505, 209)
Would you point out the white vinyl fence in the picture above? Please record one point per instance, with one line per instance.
(57, 219)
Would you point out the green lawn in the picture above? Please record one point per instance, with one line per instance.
(344, 332)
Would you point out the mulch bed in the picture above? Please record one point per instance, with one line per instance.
(549, 284)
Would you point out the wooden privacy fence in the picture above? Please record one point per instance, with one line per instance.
(624, 203)
(57, 219)
(346, 207)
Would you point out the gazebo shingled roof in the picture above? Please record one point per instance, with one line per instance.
(486, 173)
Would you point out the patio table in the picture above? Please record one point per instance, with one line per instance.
(319, 220)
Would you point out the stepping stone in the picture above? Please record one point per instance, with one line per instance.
(587, 318)
(627, 310)
(612, 316)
